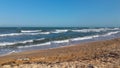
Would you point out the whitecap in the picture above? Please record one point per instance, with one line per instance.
(59, 31)
(81, 38)
(19, 42)
(18, 34)
(60, 41)
(111, 33)
(90, 30)
(30, 31)
(28, 46)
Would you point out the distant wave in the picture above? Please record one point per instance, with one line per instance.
(95, 30)
(94, 36)
(30, 31)
(60, 31)
(114, 29)
(37, 33)
(18, 34)
(44, 33)
(11, 34)
(89, 30)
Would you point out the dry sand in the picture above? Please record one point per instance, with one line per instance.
(100, 54)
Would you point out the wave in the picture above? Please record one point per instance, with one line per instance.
(44, 33)
(6, 43)
(46, 43)
(13, 43)
(37, 33)
(89, 30)
(59, 31)
(11, 34)
(116, 28)
(111, 33)
(94, 36)
(56, 41)
(95, 30)
(60, 41)
(18, 34)
(42, 44)
(39, 39)
(20, 42)
(10, 52)
(69, 40)
(82, 38)
(30, 31)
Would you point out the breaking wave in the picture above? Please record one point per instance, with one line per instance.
(30, 31)
(111, 33)
(60, 41)
(42, 44)
(68, 40)
(84, 38)
(95, 30)
(19, 42)
(59, 31)
(18, 34)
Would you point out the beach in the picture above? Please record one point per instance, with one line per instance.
(59, 34)
(96, 54)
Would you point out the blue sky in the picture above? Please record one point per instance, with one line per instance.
(35, 13)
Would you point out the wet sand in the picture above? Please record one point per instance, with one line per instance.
(99, 54)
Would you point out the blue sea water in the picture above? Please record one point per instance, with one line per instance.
(17, 39)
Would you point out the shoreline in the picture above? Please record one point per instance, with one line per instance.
(54, 43)
(61, 46)
(85, 42)
(89, 51)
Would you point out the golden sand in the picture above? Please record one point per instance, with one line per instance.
(100, 54)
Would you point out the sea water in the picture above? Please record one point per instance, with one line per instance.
(17, 39)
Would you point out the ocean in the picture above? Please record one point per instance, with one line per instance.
(17, 39)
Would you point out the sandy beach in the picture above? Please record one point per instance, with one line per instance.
(99, 54)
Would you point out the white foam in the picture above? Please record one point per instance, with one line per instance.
(44, 32)
(60, 41)
(37, 33)
(116, 28)
(18, 34)
(13, 43)
(96, 36)
(9, 53)
(95, 30)
(11, 34)
(6, 43)
(27, 41)
(84, 38)
(42, 44)
(19, 42)
(111, 33)
(90, 30)
(40, 39)
(81, 38)
(59, 31)
(30, 31)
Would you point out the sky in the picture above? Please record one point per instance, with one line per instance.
(59, 13)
